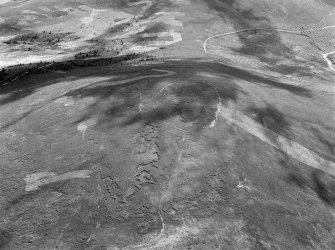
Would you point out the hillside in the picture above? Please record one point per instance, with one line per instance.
(167, 124)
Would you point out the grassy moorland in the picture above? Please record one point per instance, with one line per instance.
(167, 124)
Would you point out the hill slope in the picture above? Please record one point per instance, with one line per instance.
(172, 124)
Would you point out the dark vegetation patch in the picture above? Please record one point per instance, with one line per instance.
(329, 142)
(321, 183)
(87, 54)
(196, 102)
(232, 11)
(154, 28)
(46, 38)
(149, 34)
(324, 187)
(190, 68)
(318, 181)
(272, 119)
(5, 239)
(145, 39)
(24, 71)
(3, 75)
(9, 27)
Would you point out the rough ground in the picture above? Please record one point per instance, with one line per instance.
(173, 143)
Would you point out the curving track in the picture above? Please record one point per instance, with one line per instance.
(324, 56)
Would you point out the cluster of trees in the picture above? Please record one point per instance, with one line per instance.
(93, 53)
(116, 41)
(45, 37)
(6, 76)
(88, 54)
(3, 74)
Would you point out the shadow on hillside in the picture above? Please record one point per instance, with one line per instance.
(272, 119)
(308, 179)
(321, 183)
(197, 98)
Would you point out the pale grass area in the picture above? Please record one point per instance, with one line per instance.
(84, 125)
(36, 180)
